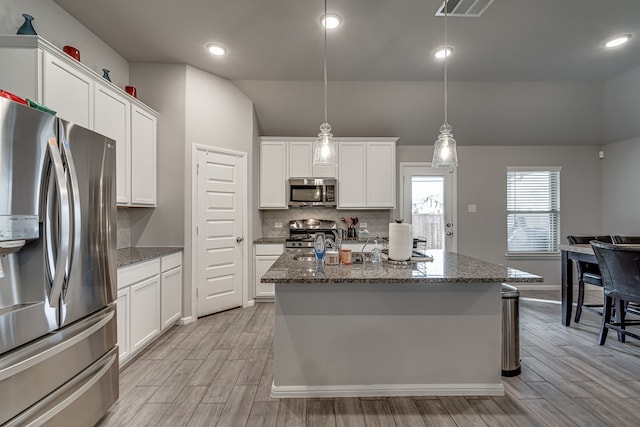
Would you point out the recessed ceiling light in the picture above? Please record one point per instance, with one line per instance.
(333, 20)
(216, 49)
(618, 40)
(442, 52)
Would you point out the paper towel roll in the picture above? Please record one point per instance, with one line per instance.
(400, 241)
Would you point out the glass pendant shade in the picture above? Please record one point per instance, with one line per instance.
(324, 151)
(444, 150)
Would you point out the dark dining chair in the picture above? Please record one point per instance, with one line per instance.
(587, 273)
(626, 240)
(620, 268)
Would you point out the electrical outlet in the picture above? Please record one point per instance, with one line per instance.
(277, 225)
(363, 225)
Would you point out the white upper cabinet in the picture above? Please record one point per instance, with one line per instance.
(273, 175)
(67, 90)
(143, 157)
(113, 119)
(381, 174)
(301, 161)
(34, 68)
(367, 173)
(352, 174)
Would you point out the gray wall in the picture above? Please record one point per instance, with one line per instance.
(620, 172)
(57, 26)
(482, 181)
(217, 115)
(482, 113)
(162, 87)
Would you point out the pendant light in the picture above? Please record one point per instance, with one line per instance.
(444, 150)
(324, 152)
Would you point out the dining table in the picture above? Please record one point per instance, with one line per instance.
(569, 255)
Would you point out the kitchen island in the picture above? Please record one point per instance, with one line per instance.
(430, 328)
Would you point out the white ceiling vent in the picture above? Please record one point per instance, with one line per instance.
(468, 8)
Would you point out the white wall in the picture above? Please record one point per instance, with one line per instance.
(57, 26)
(621, 111)
(482, 181)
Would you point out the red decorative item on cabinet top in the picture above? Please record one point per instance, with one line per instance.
(72, 52)
(131, 91)
(12, 97)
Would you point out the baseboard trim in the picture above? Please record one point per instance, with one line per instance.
(380, 390)
(186, 320)
(249, 303)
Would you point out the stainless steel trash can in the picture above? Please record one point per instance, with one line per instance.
(510, 331)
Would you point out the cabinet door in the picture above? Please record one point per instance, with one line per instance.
(300, 159)
(262, 264)
(122, 311)
(145, 312)
(381, 174)
(68, 91)
(352, 168)
(273, 175)
(171, 299)
(143, 157)
(112, 118)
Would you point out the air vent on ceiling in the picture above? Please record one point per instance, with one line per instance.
(468, 8)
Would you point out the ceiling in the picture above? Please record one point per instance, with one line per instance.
(527, 72)
(514, 40)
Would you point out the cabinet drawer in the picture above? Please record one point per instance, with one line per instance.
(269, 249)
(171, 261)
(137, 272)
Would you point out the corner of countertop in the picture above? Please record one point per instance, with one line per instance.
(135, 254)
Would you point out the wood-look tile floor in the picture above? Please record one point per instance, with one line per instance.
(218, 372)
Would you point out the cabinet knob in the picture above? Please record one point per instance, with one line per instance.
(239, 239)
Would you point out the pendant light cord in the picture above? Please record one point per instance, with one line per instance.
(446, 54)
(325, 61)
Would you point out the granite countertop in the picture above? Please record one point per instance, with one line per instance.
(127, 256)
(446, 267)
(270, 241)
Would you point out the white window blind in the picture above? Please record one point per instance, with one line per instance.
(533, 210)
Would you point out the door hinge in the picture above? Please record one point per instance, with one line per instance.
(197, 168)
(197, 230)
(196, 292)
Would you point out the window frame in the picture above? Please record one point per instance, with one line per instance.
(554, 211)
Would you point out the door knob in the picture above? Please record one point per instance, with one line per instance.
(449, 233)
(239, 239)
(449, 225)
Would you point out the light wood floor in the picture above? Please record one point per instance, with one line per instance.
(218, 372)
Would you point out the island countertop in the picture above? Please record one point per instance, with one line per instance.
(446, 267)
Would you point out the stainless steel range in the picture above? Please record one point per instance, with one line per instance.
(303, 231)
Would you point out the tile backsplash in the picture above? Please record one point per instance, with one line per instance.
(124, 228)
(377, 220)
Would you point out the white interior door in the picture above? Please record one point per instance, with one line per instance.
(220, 233)
(428, 201)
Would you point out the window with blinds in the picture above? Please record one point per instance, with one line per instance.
(533, 210)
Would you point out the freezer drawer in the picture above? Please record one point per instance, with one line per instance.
(83, 401)
(33, 371)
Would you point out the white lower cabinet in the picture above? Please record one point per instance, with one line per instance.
(149, 302)
(171, 284)
(265, 256)
(122, 311)
(145, 312)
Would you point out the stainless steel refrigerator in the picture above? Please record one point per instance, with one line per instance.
(58, 346)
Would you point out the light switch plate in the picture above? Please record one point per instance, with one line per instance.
(277, 225)
(472, 208)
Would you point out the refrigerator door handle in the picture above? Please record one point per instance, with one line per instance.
(64, 235)
(76, 214)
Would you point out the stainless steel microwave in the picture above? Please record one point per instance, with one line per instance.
(312, 192)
